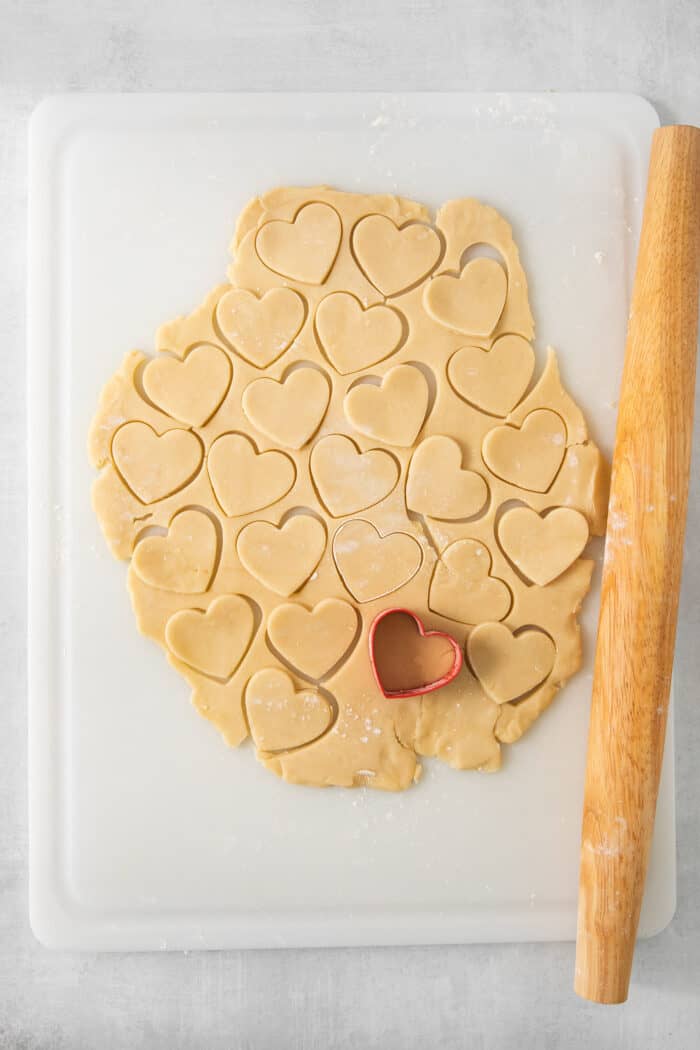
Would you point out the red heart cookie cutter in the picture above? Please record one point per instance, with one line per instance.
(428, 687)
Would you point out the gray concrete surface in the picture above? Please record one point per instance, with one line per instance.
(484, 998)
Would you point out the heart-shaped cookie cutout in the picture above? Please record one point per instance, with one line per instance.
(395, 258)
(184, 560)
(438, 487)
(189, 390)
(213, 642)
(509, 665)
(494, 380)
(406, 659)
(354, 337)
(244, 479)
(305, 248)
(372, 565)
(529, 457)
(543, 547)
(393, 412)
(314, 640)
(281, 719)
(290, 410)
(348, 480)
(462, 588)
(282, 557)
(155, 465)
(471, 303)
(260, 329)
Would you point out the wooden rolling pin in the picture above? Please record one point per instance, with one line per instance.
(641, 571)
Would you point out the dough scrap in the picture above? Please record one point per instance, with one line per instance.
(302, 454)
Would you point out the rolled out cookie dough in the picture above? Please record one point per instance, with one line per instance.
(354, 422)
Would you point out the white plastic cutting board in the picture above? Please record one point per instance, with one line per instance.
(146, 831)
